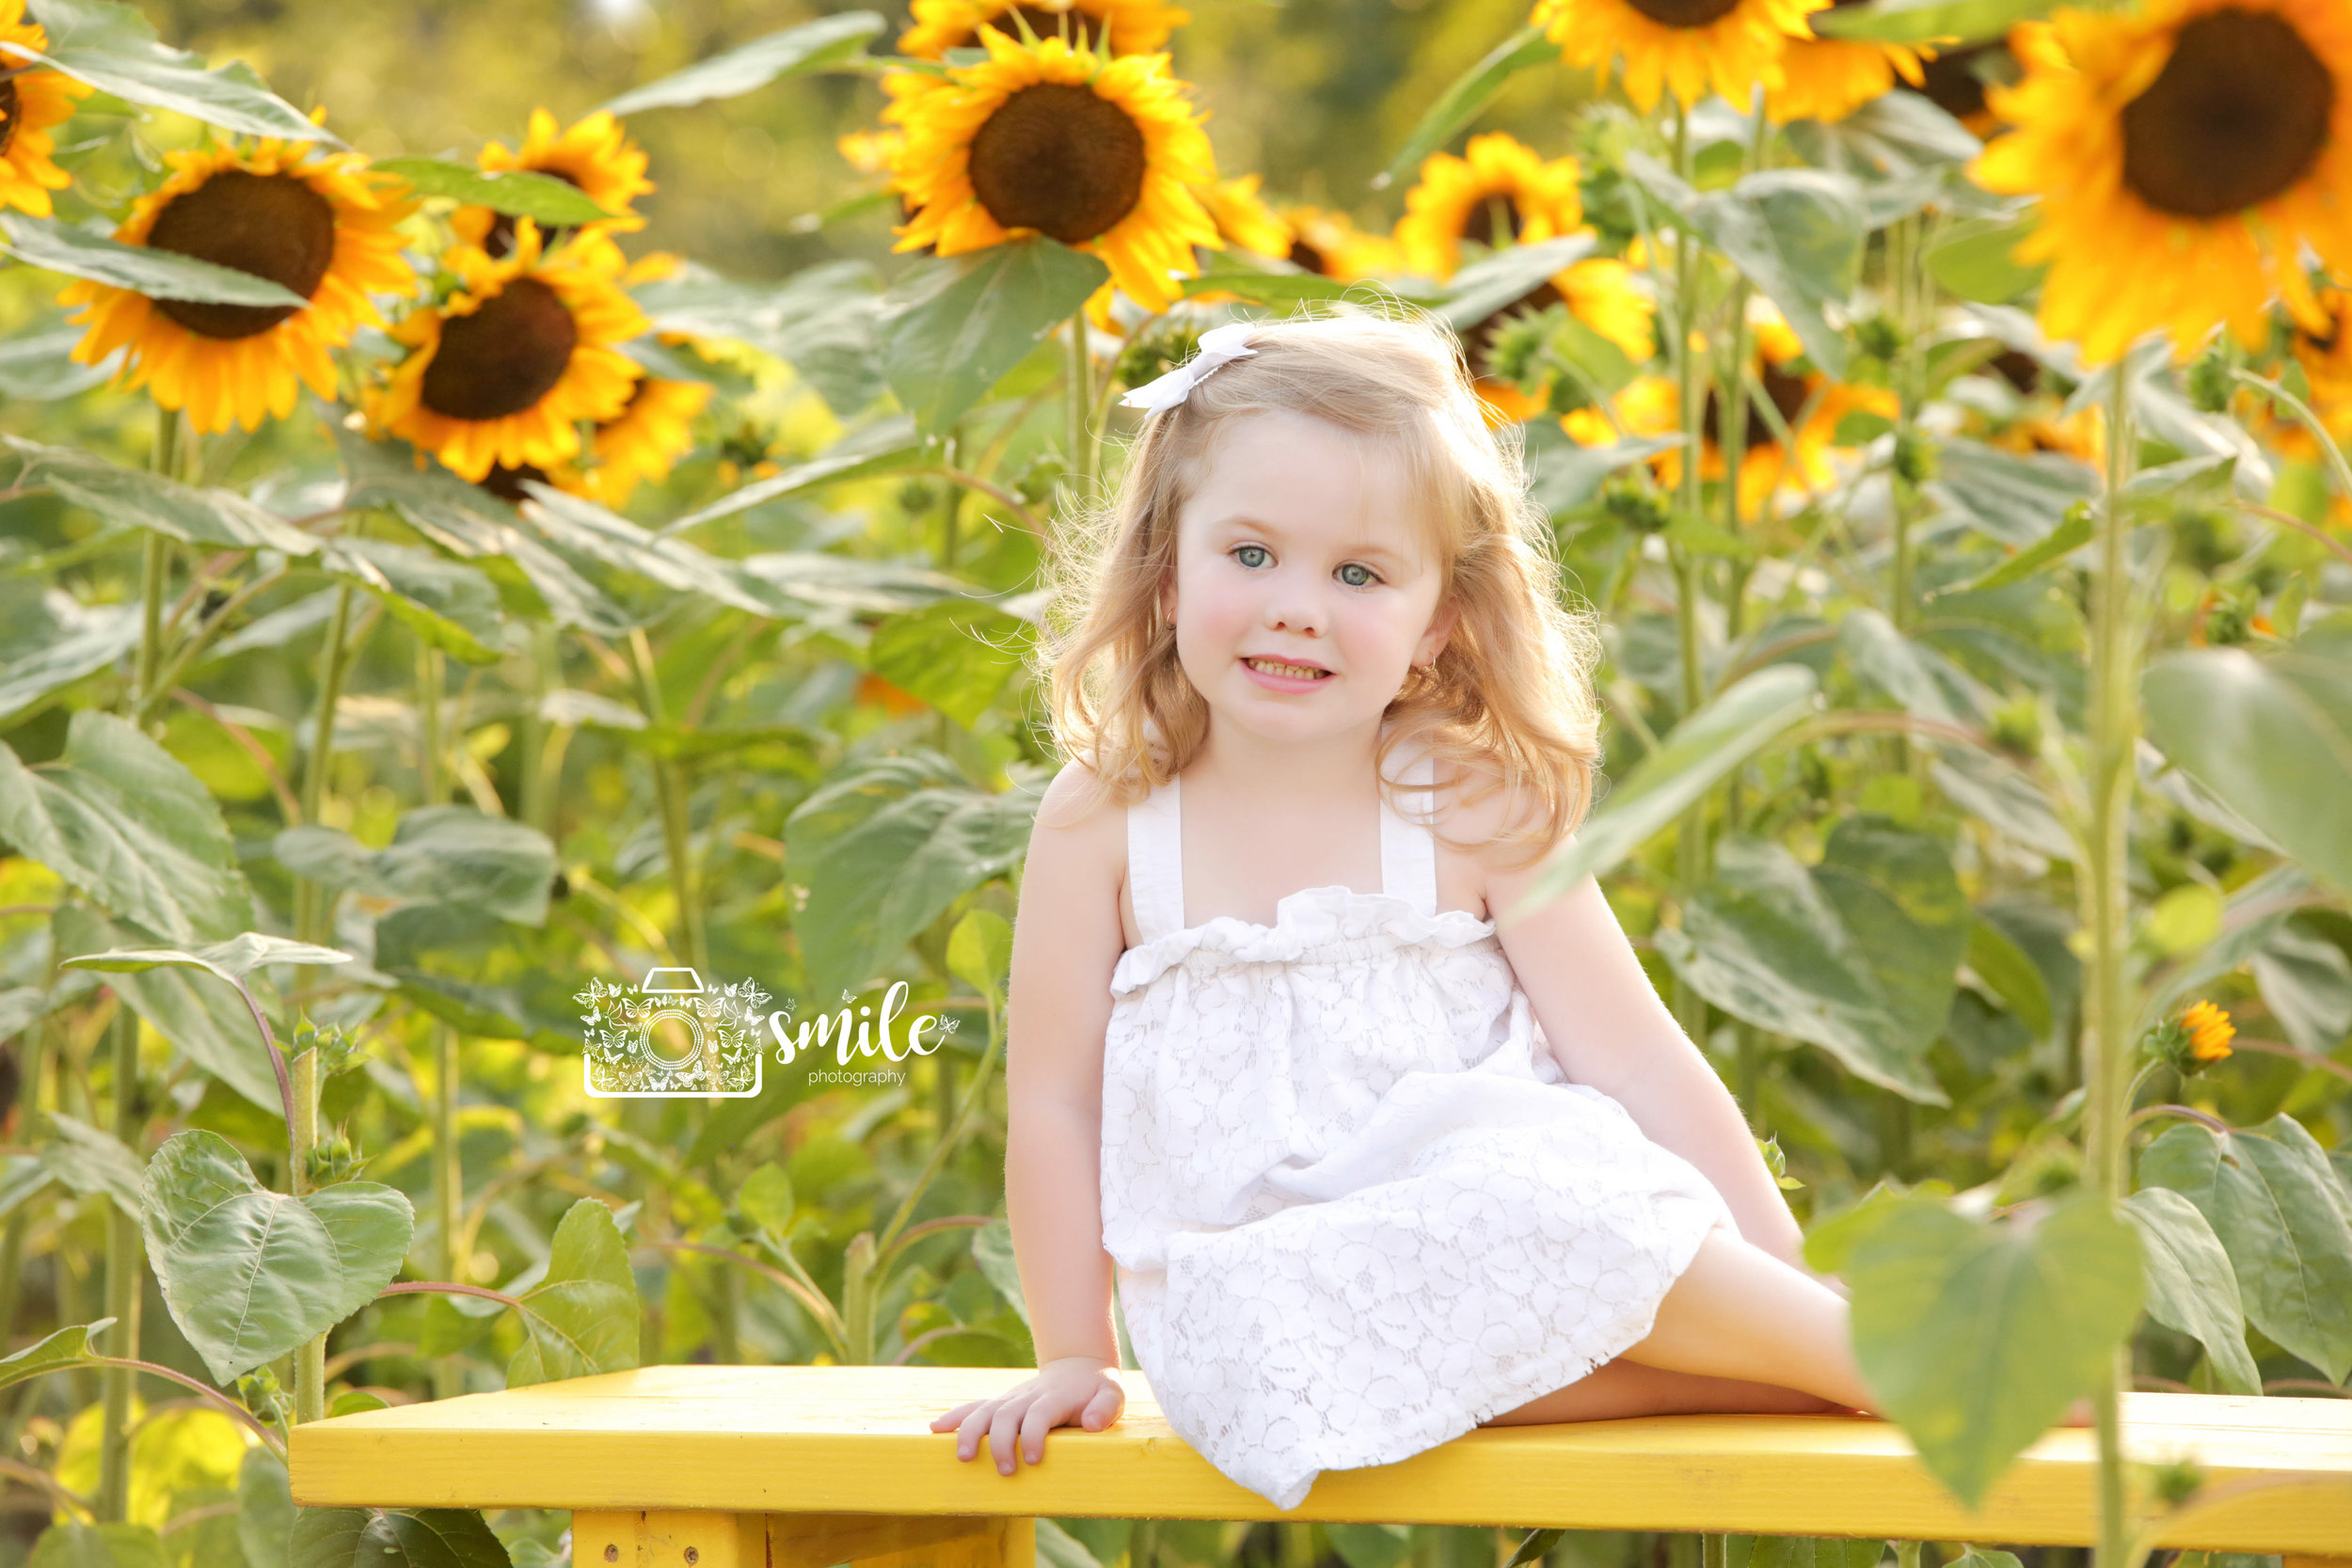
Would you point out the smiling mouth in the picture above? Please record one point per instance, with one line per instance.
(1288, 671)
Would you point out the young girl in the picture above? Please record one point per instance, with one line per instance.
(1369, 1169)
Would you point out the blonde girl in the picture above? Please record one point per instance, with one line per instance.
(1366, 1169)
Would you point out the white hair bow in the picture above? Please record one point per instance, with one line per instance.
(1218, 345)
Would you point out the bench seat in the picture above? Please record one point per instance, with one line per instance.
(809, 1467)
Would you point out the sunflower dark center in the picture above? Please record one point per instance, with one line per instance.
(2021, 370)
(1952, 83)
(11, 103)
(1057, 159)
(1685, 13)
(1306, 256)
(273, 226)
(2238, 114)
(507, 483)
(1495, 219)
(1080, 29)
(502, 358)
(1787, 393)
(500, 238)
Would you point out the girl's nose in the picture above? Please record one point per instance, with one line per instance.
(1293, 606)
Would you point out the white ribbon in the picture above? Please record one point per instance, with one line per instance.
(1218, 345)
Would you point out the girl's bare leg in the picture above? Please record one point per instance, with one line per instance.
(1736, 1311)
(1622, 1388)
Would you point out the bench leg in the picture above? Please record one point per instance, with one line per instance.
(690, 1538)
(668, 1538)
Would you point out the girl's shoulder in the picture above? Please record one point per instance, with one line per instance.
(1479, 811)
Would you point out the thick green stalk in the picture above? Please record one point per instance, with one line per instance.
(1081, 372)
(2106, 912)
(334, 658)
(538, 782)
(670, 792)
(449, 1190)
(125, 1251)
(125, 1281)
(314, 921)
(1689, 1006)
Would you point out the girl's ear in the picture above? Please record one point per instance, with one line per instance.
(1441, 625)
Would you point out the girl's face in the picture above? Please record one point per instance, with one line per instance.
(1305, 588)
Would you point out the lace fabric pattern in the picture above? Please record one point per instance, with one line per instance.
(1356, 1208)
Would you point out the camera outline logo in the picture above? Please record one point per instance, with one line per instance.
(622, 1056)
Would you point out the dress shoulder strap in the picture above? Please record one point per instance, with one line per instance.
(1408, 848)
(1156, 860)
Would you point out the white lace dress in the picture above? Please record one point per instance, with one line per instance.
(1355, 1205)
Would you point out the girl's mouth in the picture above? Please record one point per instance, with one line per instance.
(1282, 676)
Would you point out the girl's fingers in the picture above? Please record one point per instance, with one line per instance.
(1041, 1419)
(1104, 1408)
(1003, 1431)
(975, 1428)
(950, 1417)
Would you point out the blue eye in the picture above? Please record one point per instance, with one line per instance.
(1356, 575)
(1253, 556)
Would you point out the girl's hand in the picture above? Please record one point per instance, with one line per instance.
(1071, 1390)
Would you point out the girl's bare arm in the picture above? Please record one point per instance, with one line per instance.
(1608, 1027)
(1066, 941)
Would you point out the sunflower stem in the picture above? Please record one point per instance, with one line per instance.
(1081, 405)
(155, 576)
(447, 1173)
(1691, 848)
(125, 1268)
(670, 792)
(2105, 899)
(333, 659)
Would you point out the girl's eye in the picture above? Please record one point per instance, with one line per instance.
(1356, 575)
(1253, 556)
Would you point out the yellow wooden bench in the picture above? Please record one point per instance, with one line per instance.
(811, 1466)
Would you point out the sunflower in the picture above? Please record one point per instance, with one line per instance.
(596, 157)
(869, 151)
(1809, 404)
(318, 223)
(1827, 79)
(1329, 243)
(1598, 292)
(1136, 27)
(644, 441)
(1243, 218)
(1688, 45)
(1954, 80)
(523, 351)
(2209, 1030)
(1101, 154)
(1499, 192)
(30, 103)
(2323, 346)
(2185, 155)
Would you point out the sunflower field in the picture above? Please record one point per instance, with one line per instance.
(431, 607)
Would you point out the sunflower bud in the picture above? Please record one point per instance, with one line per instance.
(1881, 338)
(2209, 381)
(1634, 503)
(1517, 351)
(2198, 1037)
(2017, 728)
(1914, 458)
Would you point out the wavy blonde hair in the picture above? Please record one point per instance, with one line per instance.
(1509, 703)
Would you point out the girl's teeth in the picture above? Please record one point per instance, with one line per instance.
(1298, 672)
